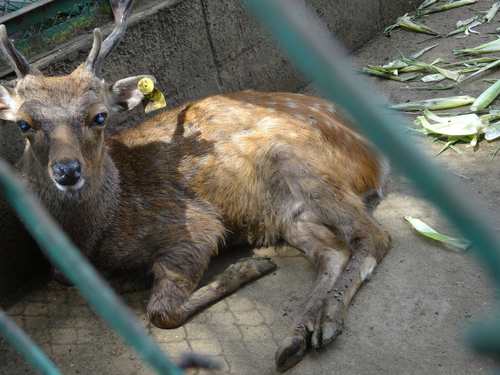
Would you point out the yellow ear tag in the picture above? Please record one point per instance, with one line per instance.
(153, 99)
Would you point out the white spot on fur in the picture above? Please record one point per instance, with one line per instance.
(291, 105)
(267, 123)
(300, 117)
(330, 107)
(332, 125)
(366, 268)
(271, 104)
(315, 106)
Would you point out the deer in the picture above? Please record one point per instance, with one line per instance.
(150, 205)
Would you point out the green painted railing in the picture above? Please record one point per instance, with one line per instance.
(23, 343)
(79, 271)
(305, 38)
(321, 58)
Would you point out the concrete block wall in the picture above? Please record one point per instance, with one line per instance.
(194, 48)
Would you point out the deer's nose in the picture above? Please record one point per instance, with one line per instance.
(67, 174)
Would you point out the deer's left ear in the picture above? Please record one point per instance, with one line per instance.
(8, 104)
(124, 94)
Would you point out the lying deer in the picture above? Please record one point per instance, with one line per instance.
(149, 206)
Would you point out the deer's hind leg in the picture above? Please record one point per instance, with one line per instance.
(343, 265)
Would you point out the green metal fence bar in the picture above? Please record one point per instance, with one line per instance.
(23, 343)
(78, 269)
(305, 39)
(323, 60)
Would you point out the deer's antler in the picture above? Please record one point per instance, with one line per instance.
(101, 50)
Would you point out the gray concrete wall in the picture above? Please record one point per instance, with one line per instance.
(194, 48)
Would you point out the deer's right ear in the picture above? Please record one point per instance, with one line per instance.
(124, 94)
(8, 104)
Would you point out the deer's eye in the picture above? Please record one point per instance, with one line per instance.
(24, 126)
(99, 120)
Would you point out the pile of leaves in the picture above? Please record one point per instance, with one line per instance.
(481, 120)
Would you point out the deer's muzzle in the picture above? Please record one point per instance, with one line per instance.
(67, 175)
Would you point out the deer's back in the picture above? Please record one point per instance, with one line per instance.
(242, 157)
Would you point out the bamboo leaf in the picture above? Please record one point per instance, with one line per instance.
(489, 66)
(420, 53)
(446, 6)
(494, 153)
(433, 87)
(433, 78)
(426, 3)
(477, 60)
(486, 97)
(493, 46)
(379, 73)
(492, 132)
(407, 23)
(454, 76)
(466, 22)
(439, 103)
(449, 144)
(465, 29)
(456, 126)
(493, 11)
(426, 230)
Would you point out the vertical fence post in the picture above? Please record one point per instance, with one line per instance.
(305, 38)
(23, 343)
(79, 271)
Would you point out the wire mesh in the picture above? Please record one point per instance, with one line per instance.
(11, 6)
(315, 56)
(48, 23)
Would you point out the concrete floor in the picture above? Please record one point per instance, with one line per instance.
(409, 319)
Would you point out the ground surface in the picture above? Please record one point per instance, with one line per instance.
(408, 320)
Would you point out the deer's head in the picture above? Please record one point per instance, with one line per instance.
(63, 117)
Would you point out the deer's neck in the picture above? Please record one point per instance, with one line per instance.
(84, 214)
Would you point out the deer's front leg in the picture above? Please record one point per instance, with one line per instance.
(172, 301)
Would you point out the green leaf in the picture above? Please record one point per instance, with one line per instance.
(446, 6)
(426, 230)
(407, 23)
(457, 126)
(493, 10)
(493, 46)
(438, 103)
(486, 97)
(420, 53)
(377, 72)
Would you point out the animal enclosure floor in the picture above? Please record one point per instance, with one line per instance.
(409, 319)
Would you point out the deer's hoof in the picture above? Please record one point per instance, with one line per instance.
(261, 265)
(325, 335)
(290, 352)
